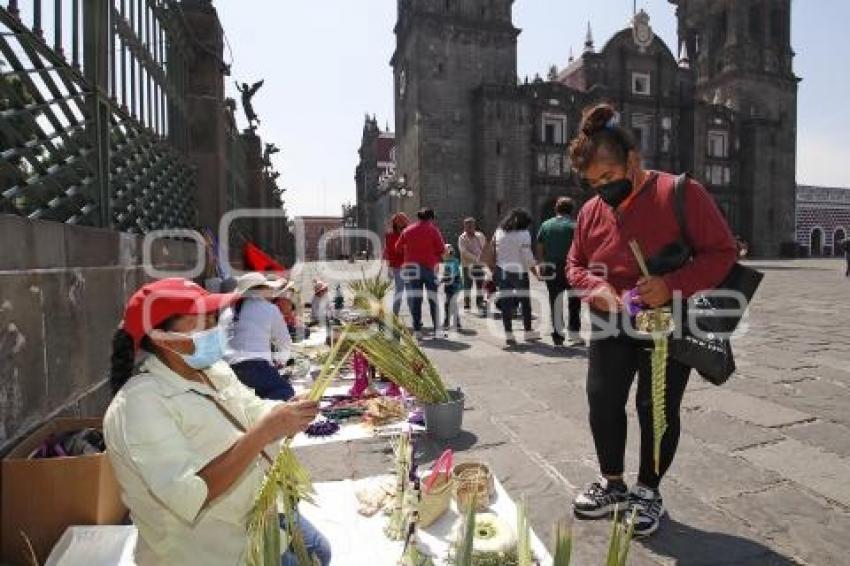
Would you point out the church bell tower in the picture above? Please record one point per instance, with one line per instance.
(742, 58)
(445, 50)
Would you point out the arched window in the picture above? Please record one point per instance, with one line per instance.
(816, 242)
(838, 238)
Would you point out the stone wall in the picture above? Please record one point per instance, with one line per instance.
(62, 292)
(827, 211)
(445, 52)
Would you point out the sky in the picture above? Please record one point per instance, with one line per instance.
(326, 64)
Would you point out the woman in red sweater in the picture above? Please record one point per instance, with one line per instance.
(632, 203)
(395, 258)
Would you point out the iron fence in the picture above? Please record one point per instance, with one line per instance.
(93, 116)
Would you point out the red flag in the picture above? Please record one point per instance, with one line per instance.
(257, 260)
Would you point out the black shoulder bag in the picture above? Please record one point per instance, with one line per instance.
(708, 351)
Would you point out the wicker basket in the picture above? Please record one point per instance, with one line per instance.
(435, 502)
(473, 482)
(437, 490)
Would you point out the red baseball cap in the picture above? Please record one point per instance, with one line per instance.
(156, 302)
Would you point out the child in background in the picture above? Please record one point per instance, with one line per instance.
(452, 285)
(319, 304)
(287, 302)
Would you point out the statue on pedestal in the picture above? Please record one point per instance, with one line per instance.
(248, 93)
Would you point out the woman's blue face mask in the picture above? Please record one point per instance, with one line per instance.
(209, 348)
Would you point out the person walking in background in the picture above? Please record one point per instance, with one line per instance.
(422, 246)
(553, 244)
(450, 277)
(513, 260)
(634, 204)
(394, 257)
(258, 341)
(470, 245)
(845, 246)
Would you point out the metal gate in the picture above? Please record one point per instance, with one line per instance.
(93, 125)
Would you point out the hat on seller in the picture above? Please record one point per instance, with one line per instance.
(254, 280)
(158, 301)
(319, 287)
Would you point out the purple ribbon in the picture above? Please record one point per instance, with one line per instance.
(631, 300)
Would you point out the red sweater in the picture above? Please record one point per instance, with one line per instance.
(421, 243)
(601, 252)
(391, 254)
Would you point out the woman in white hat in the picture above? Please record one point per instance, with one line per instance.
(258, 341)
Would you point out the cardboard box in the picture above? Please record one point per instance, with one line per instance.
(45, 496)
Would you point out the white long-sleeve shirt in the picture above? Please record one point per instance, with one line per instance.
(251, 335)
(470, 247)
(513, 250)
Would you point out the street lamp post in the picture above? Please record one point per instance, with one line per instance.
(349, 221)
(396, 188)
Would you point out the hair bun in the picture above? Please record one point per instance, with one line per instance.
(597, 119)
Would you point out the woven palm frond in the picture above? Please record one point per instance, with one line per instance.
(392, 349)
(657, 323)
(659, 397)
(288, 480)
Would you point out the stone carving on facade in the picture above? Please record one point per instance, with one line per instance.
(269, 150)
(642, 31)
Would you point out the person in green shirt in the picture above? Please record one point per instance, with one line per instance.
(553, 244)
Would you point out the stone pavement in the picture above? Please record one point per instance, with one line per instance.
(762, 476)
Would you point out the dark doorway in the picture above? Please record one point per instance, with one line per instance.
(838, 238)
(816, 243)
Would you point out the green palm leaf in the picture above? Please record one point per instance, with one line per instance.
(563, 544)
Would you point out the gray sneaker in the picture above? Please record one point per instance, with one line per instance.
(600, 499)
(648, 507)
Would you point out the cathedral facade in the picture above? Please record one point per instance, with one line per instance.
(473, 140)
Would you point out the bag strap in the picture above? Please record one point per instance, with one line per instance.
(679, 206)
(233, 420)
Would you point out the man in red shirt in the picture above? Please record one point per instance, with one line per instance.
(421, 245)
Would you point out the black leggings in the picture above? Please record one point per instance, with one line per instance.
(514, 292)
(612, 365)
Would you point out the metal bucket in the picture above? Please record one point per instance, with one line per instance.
(443, 420)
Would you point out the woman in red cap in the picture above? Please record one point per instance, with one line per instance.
(189, 443)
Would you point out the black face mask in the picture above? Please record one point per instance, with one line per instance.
(615, 192)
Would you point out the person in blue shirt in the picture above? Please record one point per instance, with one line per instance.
(452, 285)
